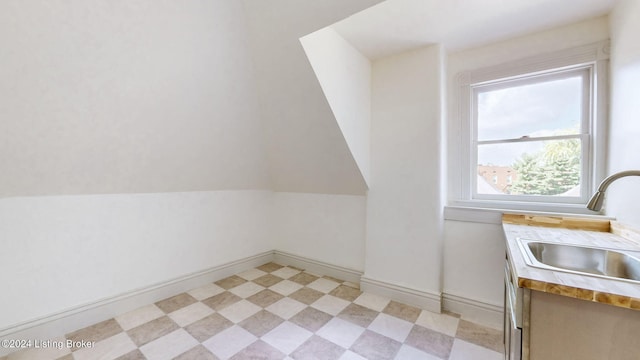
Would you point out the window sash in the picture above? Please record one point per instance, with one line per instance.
(586, 71)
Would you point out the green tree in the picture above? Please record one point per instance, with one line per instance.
(552, 171)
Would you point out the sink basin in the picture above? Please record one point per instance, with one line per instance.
(581, 259)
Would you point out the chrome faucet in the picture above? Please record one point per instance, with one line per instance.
(597, 199)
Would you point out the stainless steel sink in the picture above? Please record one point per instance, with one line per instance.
(581, 259)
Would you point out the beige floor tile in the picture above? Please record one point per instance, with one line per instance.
(107, 349)
(139, 316)
(259, 350)
(306, 295)
(304, 278)
(270, 267)
(346, 293)
(175, 302)
(132, 355)
(97, 332)
(152, 330)
(402, 311)
(311, 319)
(220, 301)
(480, 335)
(430, 341)
(197, 353)
(230, 282)
(350, 355)
(374, 346)
(358, 315)
(268, 280)
(261, 322)
(314, 346)
(211, 325)
(265, 298)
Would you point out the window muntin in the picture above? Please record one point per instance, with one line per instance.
(534, 128)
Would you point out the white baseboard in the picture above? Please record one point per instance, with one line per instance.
(474, 310)
(82, 316)
(422, 299)
(316, 266)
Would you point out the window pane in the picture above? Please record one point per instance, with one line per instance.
(530, 168)
(536, 109)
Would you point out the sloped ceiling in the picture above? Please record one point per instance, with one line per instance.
(307, 151)
(400, 25)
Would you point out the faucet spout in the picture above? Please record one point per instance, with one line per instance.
(596, 201)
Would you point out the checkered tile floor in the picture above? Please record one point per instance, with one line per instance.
(279, 312)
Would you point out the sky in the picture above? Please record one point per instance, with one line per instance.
(540, 109)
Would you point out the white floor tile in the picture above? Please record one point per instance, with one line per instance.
(330, 304)
(286, 308)
(375, 302)
(341, 332)
(323, 285)
(206, 291)
(239, 311)
(107, 349)
(391, 327)
(169, 346)
(463, 350)
(229, 342)
(190, 314)
(410, 353)
(285, 272)
(54, 349)
(247, 289)
(286, 287)
(287, 337)
(139, 316)
(443, 323)
(252, 274)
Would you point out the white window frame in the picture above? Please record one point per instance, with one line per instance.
(592, 59)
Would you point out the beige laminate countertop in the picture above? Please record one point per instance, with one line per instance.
(549, 229)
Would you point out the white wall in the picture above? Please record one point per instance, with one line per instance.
(345, 76)
(64, 251)
(474, 252)
(306, 149)
(124, 97)
(404, 211)
(327, 228)
(623, 197)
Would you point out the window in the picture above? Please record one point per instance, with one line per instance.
(535, 131)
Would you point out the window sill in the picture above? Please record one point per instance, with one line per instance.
(491, 212)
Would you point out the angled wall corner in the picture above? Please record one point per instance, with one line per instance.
(345, 77)
(306, 148)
